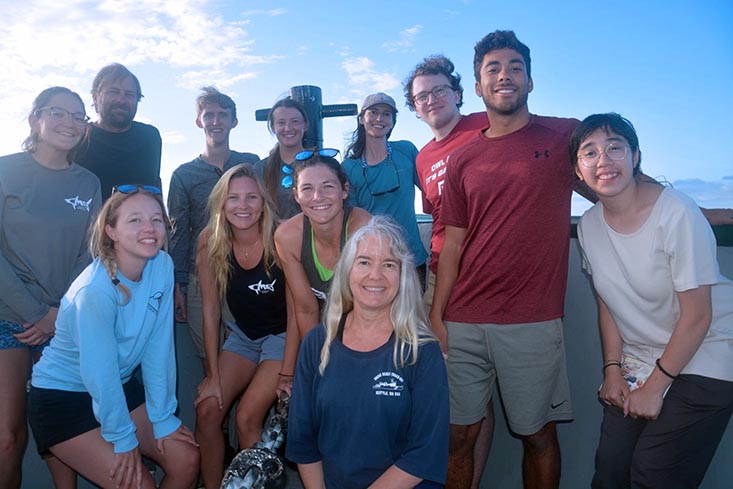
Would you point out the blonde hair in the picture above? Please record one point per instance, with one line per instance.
(407, 311)
(218, 231)
(101, 245)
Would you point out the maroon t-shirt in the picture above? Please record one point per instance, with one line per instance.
(431, 162)
(512, 195)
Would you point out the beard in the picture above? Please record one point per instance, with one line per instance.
(117, 115)
(507, 107)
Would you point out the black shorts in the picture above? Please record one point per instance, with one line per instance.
(56, 416)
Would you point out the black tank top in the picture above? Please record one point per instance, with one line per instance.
(256, 300)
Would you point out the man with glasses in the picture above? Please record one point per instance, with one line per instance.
(191, 184)
(503, 268)
(119, 150)
(433, 91)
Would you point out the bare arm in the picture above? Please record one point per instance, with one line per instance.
(292, 342)
(695, 316)
(614, 389)
(312, 475)
(395, 478)
(450, 259)
(211, 302)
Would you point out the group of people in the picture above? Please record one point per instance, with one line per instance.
(293, 282)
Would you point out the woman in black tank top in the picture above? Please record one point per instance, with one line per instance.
(310, 243)
(237, 262)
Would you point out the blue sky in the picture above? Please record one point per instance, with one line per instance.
(666, 65)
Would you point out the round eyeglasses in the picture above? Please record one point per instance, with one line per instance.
(60, 114)
(589, 157)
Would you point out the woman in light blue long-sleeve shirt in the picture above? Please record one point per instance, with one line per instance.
(85, 407)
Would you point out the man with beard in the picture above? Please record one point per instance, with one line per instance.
(503, 268)
(118, 149)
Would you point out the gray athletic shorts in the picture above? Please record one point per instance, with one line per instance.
(526, 360)
(270, 347)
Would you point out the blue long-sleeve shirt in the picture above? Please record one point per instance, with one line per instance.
(100, 340)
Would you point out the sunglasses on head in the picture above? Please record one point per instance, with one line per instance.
(130, 188)
(308, 153)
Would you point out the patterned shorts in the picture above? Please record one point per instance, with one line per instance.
(8, 341)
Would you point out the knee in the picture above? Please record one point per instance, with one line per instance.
(208, 415)
(463, 438)
(544, 439)
(13, 441)
(249, 421)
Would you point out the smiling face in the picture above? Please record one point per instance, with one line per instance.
(609, 178)
(58, 130)
(139, 231)
(116, 104)
(504, 84)
(288, 124)
(437, 112)
(244, 203)
(374, 278)
(378, 120)
(320, 193)
(217, 122)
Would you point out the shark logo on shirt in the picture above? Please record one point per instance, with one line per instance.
(78, 204)
(260, 288)
(155, 301)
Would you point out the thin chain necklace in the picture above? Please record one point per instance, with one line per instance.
(246, 253)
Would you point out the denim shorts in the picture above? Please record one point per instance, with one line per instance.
(270, 347)
(8, 341)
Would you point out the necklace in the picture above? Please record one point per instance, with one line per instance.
(246, 253)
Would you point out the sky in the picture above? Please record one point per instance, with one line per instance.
(666, 65)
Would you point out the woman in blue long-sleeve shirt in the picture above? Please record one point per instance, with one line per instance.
(85, 406)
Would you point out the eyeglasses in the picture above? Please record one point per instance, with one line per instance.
(308, 153)
(287, 180)
(589, 157)
(130, 188)
(60, 114)
(364, 167)
(437, 92)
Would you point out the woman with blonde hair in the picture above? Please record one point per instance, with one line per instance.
(237, 262)
(85, 405)
(370, 397)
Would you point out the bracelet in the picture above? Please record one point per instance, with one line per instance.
(285, 375)
(661, 369)
(612, 362)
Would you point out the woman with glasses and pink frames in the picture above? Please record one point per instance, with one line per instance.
(309, 244)
(47, 203)
(382, 174)
(85, 405)
(665, 317)
(288, 122)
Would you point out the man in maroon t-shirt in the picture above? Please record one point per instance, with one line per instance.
(433, 91)
(503, 268)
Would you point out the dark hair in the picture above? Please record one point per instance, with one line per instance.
(115, 72)
(210, 95)
(42, 101)
(495, 41)
(316, 159)
(358, 138)
(610, 123)
(274, 162)
(436, 64)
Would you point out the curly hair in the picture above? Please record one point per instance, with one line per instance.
(436, 64)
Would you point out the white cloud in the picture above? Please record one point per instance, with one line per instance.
(364, 78)
(271, 13)
(406, 40)
(173, 137)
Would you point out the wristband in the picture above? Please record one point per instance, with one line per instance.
(661, 369)
(285, 375)
(612, 362)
